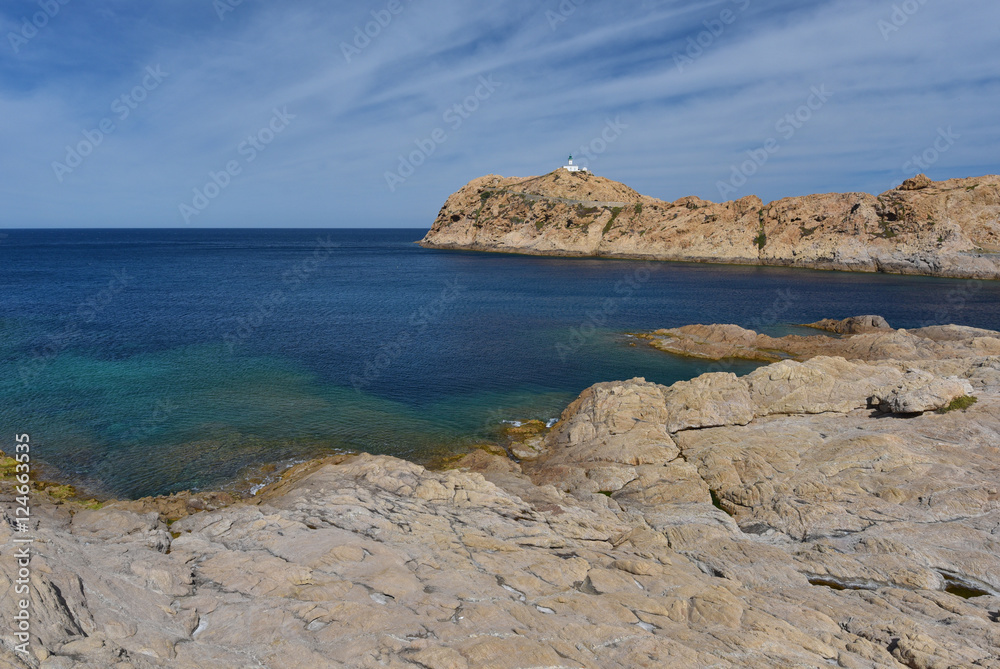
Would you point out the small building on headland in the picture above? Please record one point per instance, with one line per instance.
(570, 167)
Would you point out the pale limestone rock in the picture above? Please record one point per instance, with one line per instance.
(605, 435)
(818, 385)
(614, 422)
(709, 400)
(529, 449)
(718, 545)
(919, 391)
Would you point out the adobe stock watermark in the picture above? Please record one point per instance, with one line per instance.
(150, 425)
(223, 7)
(291, 281)
(783, 302)
(625, 292)
(612, 130)
(86, 313)
(900, 16)
(714, 29)
(22, 514)
(945, 139)
(786, 126)
(417, 324)
(122, 107)
(363, 35)
(255, 144)
(30, 27)
(956, 301)
(565, 10)
(455, 117)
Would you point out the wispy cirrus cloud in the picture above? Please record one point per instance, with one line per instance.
(562, 81)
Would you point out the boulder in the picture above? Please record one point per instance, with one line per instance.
(622, 423)
(818, 385)
(853, 325)
(919, 391)
(709, 400)
(918, 182)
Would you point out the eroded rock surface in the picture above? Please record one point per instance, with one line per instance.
(920, 391)
(770, 520)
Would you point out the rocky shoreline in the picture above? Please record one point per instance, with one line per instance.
(947, 229)
(839, 507)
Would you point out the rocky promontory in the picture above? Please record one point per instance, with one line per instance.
(871, 338)
(839, 509)
(947, 228)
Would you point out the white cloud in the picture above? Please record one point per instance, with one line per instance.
(354, 119)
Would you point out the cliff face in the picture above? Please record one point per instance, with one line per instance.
(948, 228)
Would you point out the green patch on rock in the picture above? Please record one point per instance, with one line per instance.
(61, 492)
(8, 467)
(887, 231)
(761, 239)
(611, 221)
(959, 404)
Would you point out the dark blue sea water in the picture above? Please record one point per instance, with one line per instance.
(148, 361)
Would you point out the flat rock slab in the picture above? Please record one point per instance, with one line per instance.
(770, 520)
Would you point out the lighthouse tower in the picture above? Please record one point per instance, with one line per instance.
(570, 167)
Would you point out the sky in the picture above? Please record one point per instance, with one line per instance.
(313, 113)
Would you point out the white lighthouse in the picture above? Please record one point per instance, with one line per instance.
(570, 167)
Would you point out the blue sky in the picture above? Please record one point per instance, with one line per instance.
(256, 114)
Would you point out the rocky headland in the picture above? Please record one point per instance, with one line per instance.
(838, 509)
(947, 228)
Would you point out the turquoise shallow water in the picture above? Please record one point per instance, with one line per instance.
(144, 362)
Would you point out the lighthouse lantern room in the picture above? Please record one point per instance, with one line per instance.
(570, 167)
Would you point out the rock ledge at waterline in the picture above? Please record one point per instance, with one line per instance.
(947, 228)
(779, 519)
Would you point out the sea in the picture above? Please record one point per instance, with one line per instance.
(144, 362)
